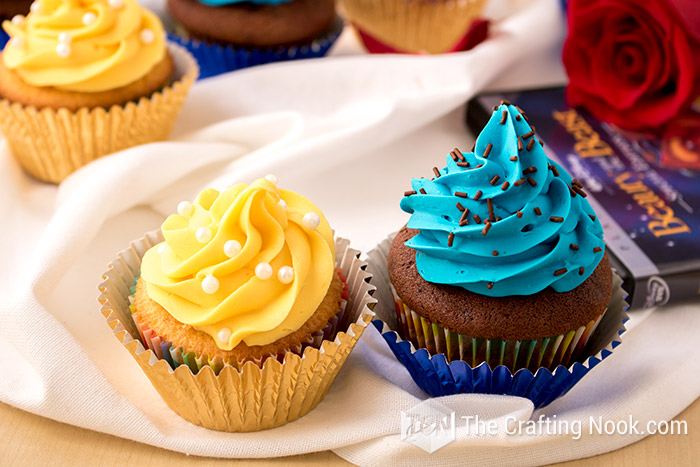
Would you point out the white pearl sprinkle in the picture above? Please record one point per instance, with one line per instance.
(232, 248)
(161, 248)
(210, 284)
(272, 178)
(224, 335)
(185, 208)
(263, 271)
(18, 20)
(89, 18)
(147, 36)
(17, 42)
(63, 50)
(311, 220)
(283, 204)
(203, 234)
(116, 3)
(285, 274)
(35, 7)
(65, 38)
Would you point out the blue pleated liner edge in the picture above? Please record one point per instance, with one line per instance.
(3, 38)
(437, 377)
(215, 59)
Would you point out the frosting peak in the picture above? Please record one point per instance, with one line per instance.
(248, 264)
(84, 45)
(504, 219)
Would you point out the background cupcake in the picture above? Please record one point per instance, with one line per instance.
(84, 66)
(413, 26)
(225, 35)
(502, 261)
(247, 282)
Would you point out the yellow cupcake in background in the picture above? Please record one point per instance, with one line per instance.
(71, 77)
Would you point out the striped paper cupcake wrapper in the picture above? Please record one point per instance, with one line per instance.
(257, 395)
(177, 356)
(442, 362)
(215, 59)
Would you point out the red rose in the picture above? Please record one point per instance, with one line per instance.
(633, 63)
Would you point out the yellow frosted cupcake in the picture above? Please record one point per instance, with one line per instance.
(80, 79)
(250, 282)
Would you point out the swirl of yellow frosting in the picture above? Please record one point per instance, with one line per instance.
(248, 264)
(84, 45)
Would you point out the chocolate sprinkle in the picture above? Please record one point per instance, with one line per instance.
(556, 219)
(450, 239)
(453, 156)
(478, 195)
(529, 170)
(498, 219)
(580, 271)
(495, 107)
(463, 220)
(504, 117)
(460, 207)
(519, 214)
(520, 144)
(489, 203)
(559, 272)
(592, 217)
(505, 185)
(531, 181)
(541, 143)
(528, 134)
(505, 102)
(514, 158)
(486, 229)
(494, 180)
(436, 172)
(538, 211)
(487, 151)
(518, 117)
(477, 219)
(494, 253)
(462, 164)
(554, 170)
(422, 190)
(573, 193)
(578, 190)
(474, 144)
(479, 166)
(573, 246)
(530, 145)
(489, 285)
(597, 249)
(458, 154)
(409, 193)
(519, 182)
(575, 182)
(461, 194)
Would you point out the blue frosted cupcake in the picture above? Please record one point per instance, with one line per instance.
(501, 266)
(225, 35)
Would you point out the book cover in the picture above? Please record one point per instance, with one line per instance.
(645, 189)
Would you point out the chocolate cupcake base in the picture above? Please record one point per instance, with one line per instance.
(443, 363)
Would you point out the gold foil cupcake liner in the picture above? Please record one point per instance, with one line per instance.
(51, 144)
(253, 397)
(413, 25)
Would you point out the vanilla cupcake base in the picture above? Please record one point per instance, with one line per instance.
(254, 397)
(51, 144)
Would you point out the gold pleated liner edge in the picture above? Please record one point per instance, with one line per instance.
(251, 398)
(51, 144)
(548, 352)
(415, 26)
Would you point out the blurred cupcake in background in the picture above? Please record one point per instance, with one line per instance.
(82, 79)
(417, 26)
(225, 35)
(12, 9)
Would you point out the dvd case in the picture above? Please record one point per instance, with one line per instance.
(645, 189)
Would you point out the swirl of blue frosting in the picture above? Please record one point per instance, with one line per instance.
(230, 2)
(539, 232)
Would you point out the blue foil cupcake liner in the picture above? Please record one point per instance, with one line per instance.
(437, 376)
(3, 38)
(215, 59)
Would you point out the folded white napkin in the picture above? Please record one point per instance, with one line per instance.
(348, 132)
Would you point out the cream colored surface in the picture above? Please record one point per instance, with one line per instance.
(46, 442)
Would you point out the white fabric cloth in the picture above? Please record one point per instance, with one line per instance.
(348, 132)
